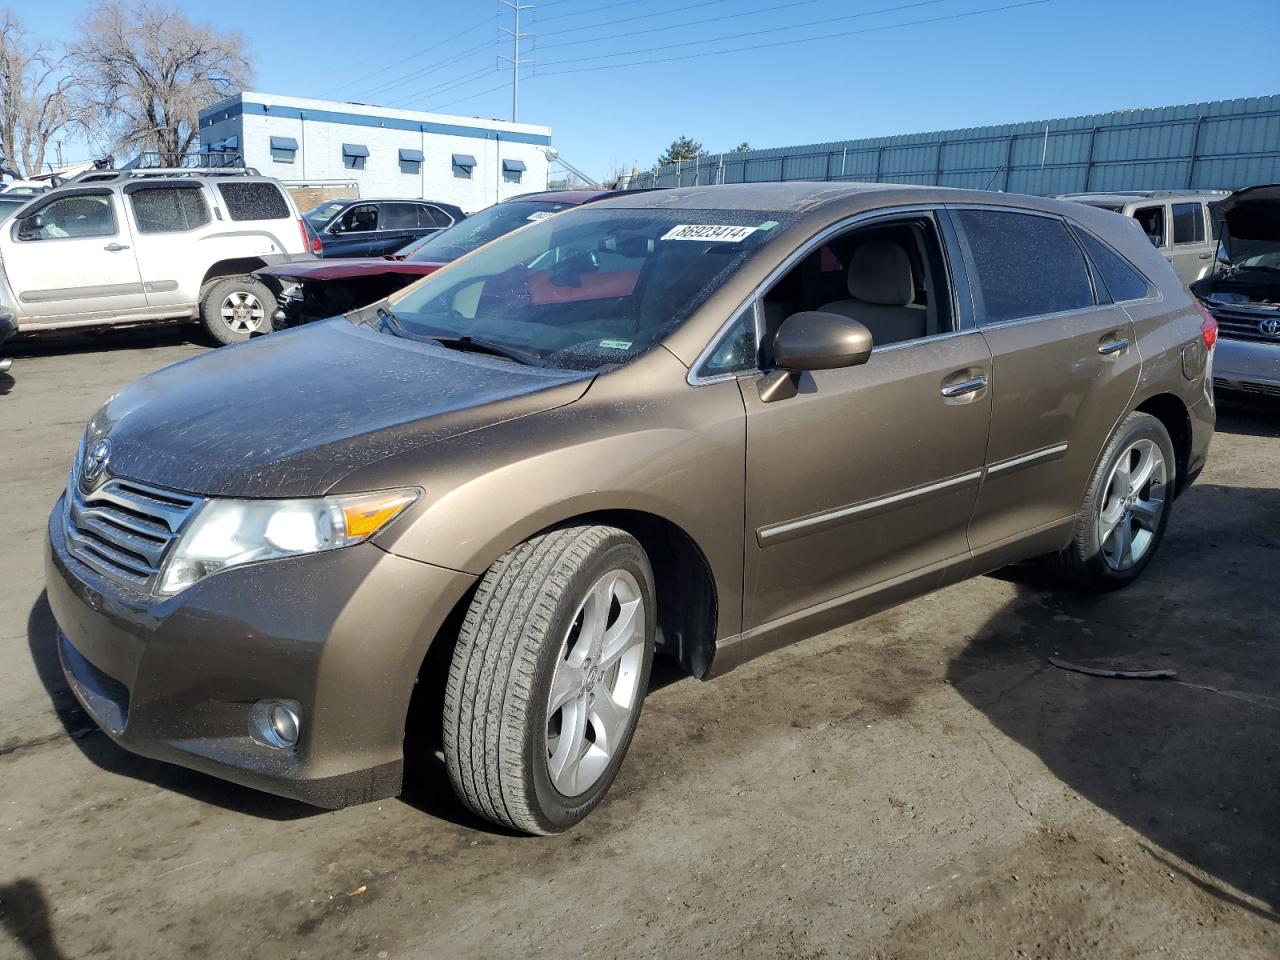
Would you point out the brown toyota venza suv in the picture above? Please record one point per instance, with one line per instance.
(701, 422)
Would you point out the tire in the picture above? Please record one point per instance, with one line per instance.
(1100, 558)
(528, 627)
(233, 308)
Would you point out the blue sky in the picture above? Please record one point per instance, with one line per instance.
(904, 70)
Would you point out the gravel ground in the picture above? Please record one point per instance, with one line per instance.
(920, 784)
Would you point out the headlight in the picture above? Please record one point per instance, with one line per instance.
(229, 533)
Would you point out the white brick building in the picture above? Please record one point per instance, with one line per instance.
(467, 161)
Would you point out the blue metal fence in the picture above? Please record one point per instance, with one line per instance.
(1225, 145)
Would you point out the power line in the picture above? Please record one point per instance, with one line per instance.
(781, 43)
(736, 15)
(412, 56)
(630, 3)
(434, 68)
(502, 86)
(446, 86)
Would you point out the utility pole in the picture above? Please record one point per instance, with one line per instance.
(515, 61)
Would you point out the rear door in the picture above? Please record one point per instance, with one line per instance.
(167, 219)
(397, 225)
(72, 256)
(1193, 246)
(1064, 368)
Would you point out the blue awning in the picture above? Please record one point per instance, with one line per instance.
(411, 156)
(463, 160)
(513, 166)
(232, 143)
(284, 143)
(354, 150)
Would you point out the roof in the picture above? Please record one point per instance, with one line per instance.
(565, 196)
(796, 196)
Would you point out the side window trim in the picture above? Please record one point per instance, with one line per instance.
(1200, 214)
(979, 307)
(1153, 293)
(937, 212)
(107, 192)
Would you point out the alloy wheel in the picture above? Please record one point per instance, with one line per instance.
(242, 312)
(595, 685)
(1134, 505)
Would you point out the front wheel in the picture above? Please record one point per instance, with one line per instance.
(1125, 509)
(548, 677)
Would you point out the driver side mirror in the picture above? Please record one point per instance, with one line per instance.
(30, 226)
(335, 227)
(813, 340)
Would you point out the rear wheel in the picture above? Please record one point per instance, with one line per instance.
(1125, 509)
(548, 678)
(234, 308)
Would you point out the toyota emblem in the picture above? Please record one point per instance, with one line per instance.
(1269, 327)
(95, 460)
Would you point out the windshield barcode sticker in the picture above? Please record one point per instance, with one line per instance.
(541, 215)
(709, 231)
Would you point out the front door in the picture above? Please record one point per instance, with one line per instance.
(867, 477)
(72, 256)
(355, 233)
(1064, 370)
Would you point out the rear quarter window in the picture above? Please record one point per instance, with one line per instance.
(255, 200)
(1122, 281)
(1026, 265)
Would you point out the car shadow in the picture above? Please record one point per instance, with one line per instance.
(65, 342)
(106, 755)
(1191, 763)
(1248, 416)
(24, 916)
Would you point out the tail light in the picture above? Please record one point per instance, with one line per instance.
(310, 241)
(1208, 329)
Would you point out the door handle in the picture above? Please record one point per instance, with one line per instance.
(1115, 346)
(116, 247)
(951, 391)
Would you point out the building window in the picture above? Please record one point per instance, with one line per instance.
(512, 170)
(464, 164)
(411, 161)
(283, 149)
(354, 155)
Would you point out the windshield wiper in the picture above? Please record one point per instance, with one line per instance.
(472, 345)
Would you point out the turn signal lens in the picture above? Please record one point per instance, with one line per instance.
(368, 513)
(1209, 329)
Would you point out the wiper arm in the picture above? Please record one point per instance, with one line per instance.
(388, 319)
(472, 345)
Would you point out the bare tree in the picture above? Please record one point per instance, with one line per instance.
(146, 70)
(34, 105)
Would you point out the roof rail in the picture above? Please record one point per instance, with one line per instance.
(114, 176)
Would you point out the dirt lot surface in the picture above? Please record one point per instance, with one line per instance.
(921, 784)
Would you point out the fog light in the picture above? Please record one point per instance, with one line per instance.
(275, 723)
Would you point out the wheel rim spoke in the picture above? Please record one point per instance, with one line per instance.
(1144, 469)
(1147, 513)
(594, 688)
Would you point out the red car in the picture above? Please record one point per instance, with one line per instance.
(315, 289)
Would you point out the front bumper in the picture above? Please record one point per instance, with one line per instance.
(344, 634)
(1250, 366)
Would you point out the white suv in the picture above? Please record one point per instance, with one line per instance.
(121, 247)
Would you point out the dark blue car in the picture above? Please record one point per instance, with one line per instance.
(372, 228)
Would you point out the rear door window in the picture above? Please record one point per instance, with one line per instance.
(1188, 223)
(1026, 265)
(1122, 281)
(254, 200)
(168, 209)
(399, 216)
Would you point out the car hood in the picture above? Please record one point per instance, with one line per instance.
(1246, 218)
(301, 271)
(289, 415)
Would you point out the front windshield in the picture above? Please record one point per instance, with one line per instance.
(592, 288)
(319, 216)
(478, 229)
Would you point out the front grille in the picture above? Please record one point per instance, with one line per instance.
(123, 529)
(1242, 324)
